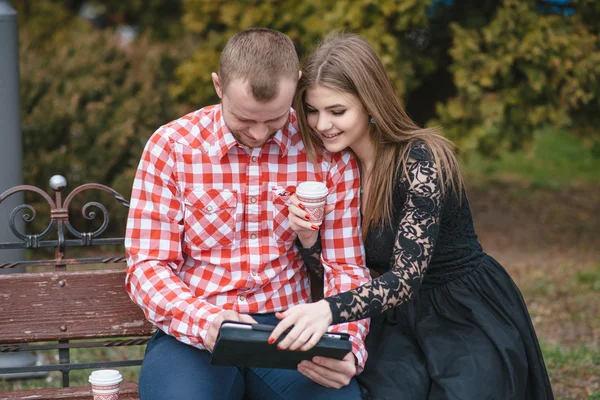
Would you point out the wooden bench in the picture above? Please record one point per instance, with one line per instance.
(70, 306)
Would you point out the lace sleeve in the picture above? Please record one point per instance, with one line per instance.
(415, 240)
(312, 262)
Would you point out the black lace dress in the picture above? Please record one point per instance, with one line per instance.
(447, 321)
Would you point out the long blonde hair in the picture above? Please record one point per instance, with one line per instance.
(347, 63)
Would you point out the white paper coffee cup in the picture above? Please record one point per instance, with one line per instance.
(313, 195)
(106, 384)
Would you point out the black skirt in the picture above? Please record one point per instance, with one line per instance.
(470, 338)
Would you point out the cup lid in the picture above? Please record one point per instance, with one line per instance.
(312, 190)
(105, 377)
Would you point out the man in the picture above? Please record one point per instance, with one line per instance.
(208, 238)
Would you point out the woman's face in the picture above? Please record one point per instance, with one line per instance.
(338, 118)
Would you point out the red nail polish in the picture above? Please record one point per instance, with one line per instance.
(271, 340)
(314, 227)
(301, 206)
(307, 216)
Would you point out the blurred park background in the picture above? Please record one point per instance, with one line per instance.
(514, 83)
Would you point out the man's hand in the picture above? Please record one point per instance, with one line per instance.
(329, 372)
(227, 315)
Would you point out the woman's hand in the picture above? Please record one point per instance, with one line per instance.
(300, 222)
(309, 321)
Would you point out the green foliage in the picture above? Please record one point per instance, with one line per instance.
(520, 72)
(46, 24)
(159, 18)
(89, 105)
(514, 69)
(394, 28)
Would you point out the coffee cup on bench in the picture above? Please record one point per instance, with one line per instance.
(106, 384)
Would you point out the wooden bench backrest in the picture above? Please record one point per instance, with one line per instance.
(65, 309)
(68, 305)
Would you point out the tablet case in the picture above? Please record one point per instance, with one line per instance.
(249, 347)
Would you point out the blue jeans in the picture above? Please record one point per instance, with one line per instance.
(173, 370)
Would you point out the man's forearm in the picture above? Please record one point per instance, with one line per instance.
(169, 304)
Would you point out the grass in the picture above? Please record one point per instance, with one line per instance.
(555, 160)
(563, 303)
(589, 278)
(572, 369)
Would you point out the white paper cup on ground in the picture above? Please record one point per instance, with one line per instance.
(313, 195)
(106, 384)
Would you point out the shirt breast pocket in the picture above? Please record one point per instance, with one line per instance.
(210, 217)
(279, 214)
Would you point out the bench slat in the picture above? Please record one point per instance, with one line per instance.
(68, 305)
(128, 391)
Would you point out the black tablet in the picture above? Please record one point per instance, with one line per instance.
(246, 345)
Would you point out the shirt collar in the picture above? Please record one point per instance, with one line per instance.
(225, 139)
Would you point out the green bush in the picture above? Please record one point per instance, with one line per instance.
(88, 104)
(513, 68)
(394, 28)
(522, 71)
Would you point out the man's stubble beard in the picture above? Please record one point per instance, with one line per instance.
(240, 138)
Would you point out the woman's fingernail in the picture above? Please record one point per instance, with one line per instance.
(307, 216)
(271, 340)
(301, 206)
(314, 227)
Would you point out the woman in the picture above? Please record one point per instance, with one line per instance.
(447, 320)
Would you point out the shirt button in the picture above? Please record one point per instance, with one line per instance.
(253, 236)
(254, 274)
(208, 208)
(253, 200)
(241, 297)
(253, 158)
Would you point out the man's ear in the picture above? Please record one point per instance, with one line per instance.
(217, 85)
(299, 74)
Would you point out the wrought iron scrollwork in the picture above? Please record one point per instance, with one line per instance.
(87, 237)
(59, 216)
(31, 241)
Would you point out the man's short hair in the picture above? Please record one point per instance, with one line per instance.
(261, 57)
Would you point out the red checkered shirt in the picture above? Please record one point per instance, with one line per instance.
(208, 228)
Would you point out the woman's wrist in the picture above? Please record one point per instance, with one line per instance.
(309, 246)
(331, 303)
(325, 304)
(308, 241)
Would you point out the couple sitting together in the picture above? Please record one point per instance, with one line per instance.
(216, 233)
